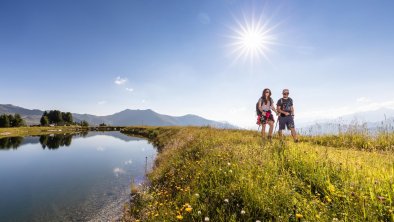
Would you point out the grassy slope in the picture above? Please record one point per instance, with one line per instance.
(229, 175)
(31, 131)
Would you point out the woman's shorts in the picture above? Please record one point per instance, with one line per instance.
(264, 119)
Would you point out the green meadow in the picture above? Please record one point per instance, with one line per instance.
(39, 130)
(206, 174)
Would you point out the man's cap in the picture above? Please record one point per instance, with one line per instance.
(285, 91)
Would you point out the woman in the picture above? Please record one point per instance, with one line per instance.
(266, 104)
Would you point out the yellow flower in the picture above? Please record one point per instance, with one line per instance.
(179, 217)
(189, 209)
(299, 216)
(331, 188)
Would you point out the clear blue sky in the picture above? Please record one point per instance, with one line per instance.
(101, 57)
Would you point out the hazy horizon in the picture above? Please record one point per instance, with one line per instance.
(184, 57)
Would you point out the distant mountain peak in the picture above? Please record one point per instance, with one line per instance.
(126, 117)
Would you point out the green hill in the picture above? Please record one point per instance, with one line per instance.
(206, 174)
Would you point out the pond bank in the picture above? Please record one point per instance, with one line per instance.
(38, 130)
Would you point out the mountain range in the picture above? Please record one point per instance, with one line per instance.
(126, 117)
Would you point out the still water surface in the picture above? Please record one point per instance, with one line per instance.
(70, 178)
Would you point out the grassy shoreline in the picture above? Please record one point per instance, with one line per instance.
(38, 130)
(229, 175)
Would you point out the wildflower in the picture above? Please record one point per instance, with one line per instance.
(331, 188)
(206, 219)
(258, 221)
(179, 217)
(229, 164)
(189, 209)
(226, 200)
(230, 171)
(335, 219)
(199, 212)
(299, 216)
(197, 195)
(243, 212)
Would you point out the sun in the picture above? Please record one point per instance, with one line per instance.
(252, 39)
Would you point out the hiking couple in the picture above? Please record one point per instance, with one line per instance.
(284, 109)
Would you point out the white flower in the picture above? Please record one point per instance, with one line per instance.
(199, 212)
(230, 171)
(226, 200)
(243, 212)
(229, 163)
(197, 195)
(206, 219)
(258, 221)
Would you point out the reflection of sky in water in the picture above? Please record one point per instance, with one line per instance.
(71, 182)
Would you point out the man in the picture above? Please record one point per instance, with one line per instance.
(286, 119)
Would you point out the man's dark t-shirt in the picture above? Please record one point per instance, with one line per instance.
(285, 105)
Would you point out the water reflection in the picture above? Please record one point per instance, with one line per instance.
(75, 183)
(10, 142)
(55, 141)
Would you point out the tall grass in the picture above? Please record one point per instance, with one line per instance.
(357, 136)
(204, 174)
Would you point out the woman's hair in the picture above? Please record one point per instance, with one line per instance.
(265, 98)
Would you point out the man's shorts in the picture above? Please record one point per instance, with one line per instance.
(286, 121)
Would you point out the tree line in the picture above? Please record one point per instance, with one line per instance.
(59, 118)
(8, 120)
(56, 117)
(52, 117)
